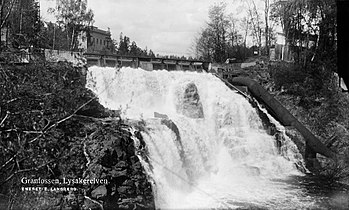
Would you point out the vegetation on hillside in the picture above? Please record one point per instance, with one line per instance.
(318, 102)
(308, 87)
(47, 117)
(38, 134)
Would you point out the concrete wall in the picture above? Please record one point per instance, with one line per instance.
(146, 65)
(57, 55)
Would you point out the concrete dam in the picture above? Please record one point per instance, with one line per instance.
(146, 63)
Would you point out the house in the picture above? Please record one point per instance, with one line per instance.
(96, 41)
(281, 50)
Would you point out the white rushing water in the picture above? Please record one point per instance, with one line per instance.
(219, 158)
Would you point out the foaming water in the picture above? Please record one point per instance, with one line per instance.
(221, 158)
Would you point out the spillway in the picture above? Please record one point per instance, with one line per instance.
(207, 147)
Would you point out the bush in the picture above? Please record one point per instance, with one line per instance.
(288, 76)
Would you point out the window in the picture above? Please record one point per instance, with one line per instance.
(96, 40)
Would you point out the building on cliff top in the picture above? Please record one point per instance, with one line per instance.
(96, 41)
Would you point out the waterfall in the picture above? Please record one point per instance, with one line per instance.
(206, 144)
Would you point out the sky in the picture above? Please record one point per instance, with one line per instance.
(167, 27)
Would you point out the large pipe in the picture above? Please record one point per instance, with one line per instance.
(282, 114)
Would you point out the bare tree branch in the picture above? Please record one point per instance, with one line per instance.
(12, 3)
(26, 170)
(9, 161)
(60, 121)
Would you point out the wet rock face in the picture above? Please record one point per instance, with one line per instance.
(191, 105)
(112, 156)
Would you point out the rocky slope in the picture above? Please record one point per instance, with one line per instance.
(60, 149)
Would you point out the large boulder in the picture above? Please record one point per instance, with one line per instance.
(191, 105)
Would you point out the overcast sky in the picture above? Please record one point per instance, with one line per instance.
(165, 26)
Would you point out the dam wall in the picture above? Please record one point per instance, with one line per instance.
(146, 63)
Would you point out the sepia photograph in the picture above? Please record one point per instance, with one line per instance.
(174, 104)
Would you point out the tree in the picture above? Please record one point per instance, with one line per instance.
(204, 47)
(305, 22)
(75, 17)
(211, 44)
(135, 50)
(246, 26)
(217, 27)
(151, 54)
(221, 38)
(267, 32)
(125, 48)
(256, 24)
(6, 9)
(25, 24)
(53, 37)
(124, 45)
(114, 46)
(20, 20)
(233, 36)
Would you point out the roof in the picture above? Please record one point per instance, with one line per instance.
(100, 31)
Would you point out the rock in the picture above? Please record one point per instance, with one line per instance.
(171, 125)
(109, 159)
(139, 199)
(125, 190)
(118, 173)
(128, 183)
(124, 206)
(246, 65)
(126, 202)
(137, 166)
(134, 159)
(191, 105)
(158, 115)
(99, 192)
(121, 165)
(253, 171)
(89, 204)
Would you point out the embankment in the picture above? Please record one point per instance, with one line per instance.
(317, 102)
